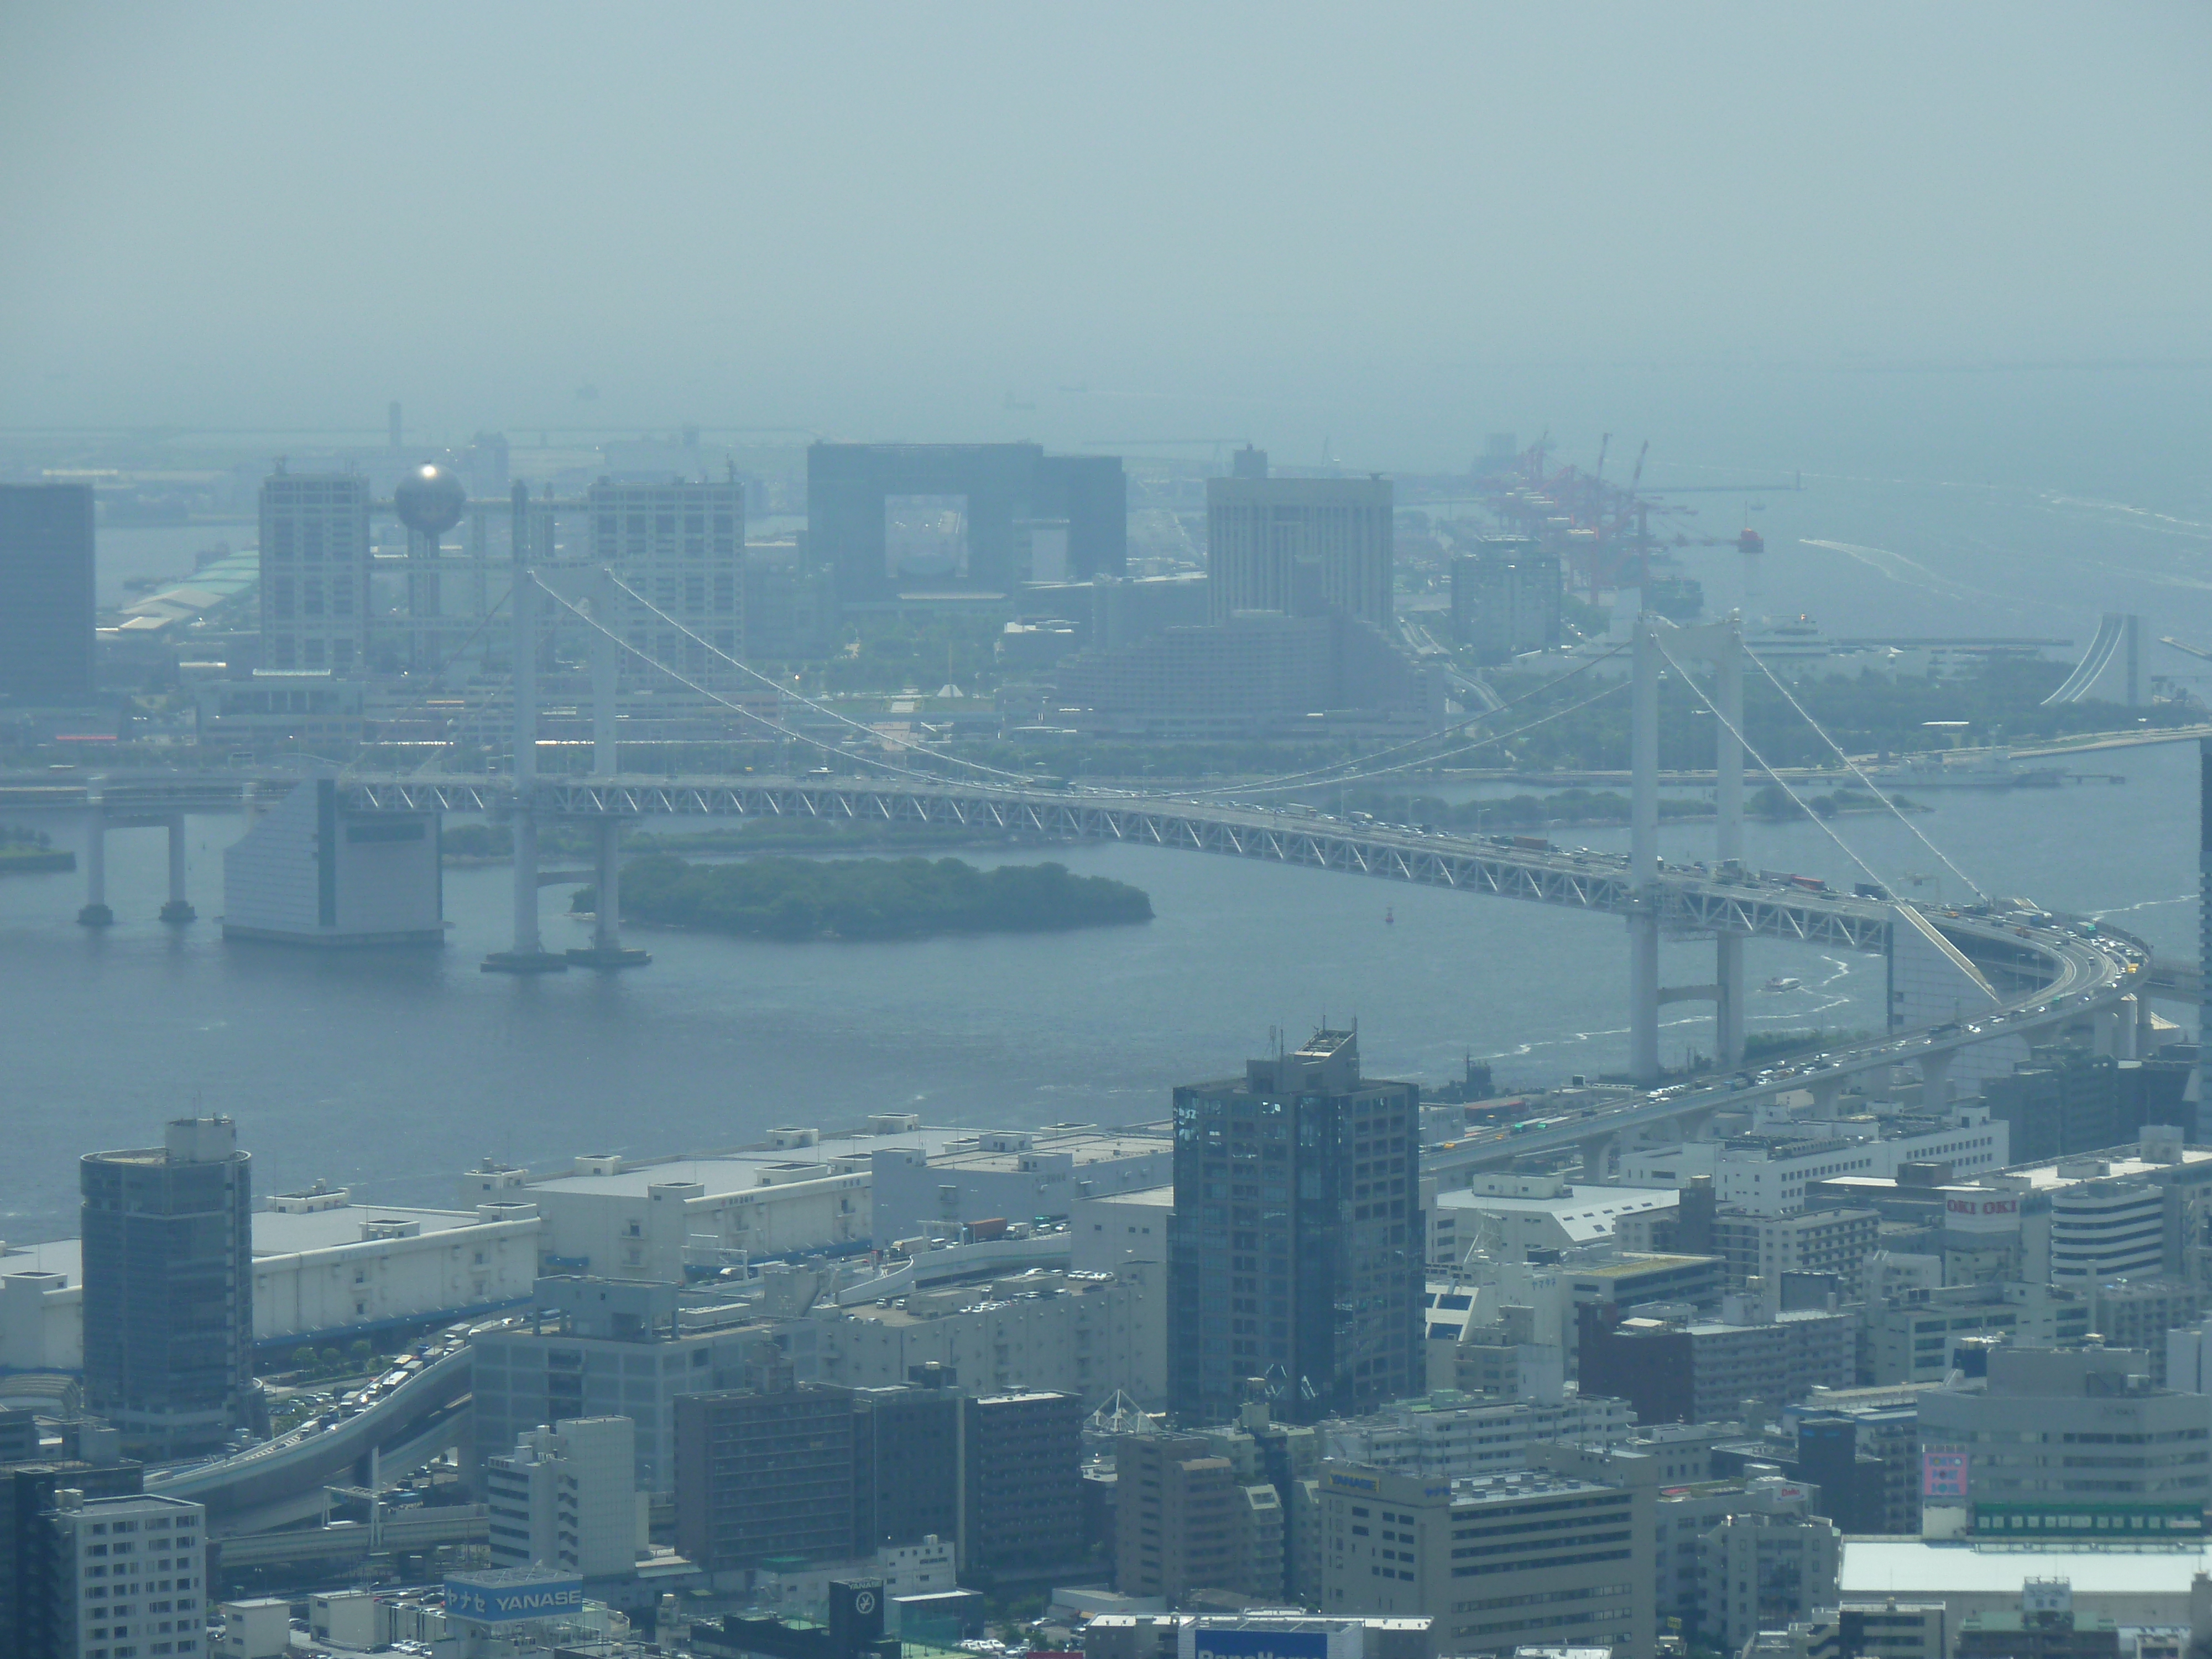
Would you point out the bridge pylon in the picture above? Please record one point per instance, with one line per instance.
(605, 950)
(527, 955)
(1721, 644)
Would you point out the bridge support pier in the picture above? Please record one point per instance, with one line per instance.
(179, 909)
(1644, 999)
(527, 956)
(1935, 1078)
(1825, 1093)
(1728, 840)
(1728, 1002)
(607, 947)
(1597, 1153)
(2117, 1029)
(1643, 857)
(95, 913)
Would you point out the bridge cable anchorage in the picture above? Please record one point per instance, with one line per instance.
(422, 702)
(776, 726)
(784, 691)
(1902, 817)
(1464, 749)
(1760, 762)
(1414, 743)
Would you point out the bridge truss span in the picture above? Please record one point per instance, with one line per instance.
(1686, 901)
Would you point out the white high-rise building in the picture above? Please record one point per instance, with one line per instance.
(315, 572)
(566, 1497)
(128, 1577)
(681, 548)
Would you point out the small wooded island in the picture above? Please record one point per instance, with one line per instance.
(787, 898)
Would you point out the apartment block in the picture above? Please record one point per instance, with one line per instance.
(1185, 1521)
(1496, 1563)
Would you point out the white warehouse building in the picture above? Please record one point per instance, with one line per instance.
(803, 1193)
(1766, 1173)
(325, 1271)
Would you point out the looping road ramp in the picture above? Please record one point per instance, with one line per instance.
(2109, 632)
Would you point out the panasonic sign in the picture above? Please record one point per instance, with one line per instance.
(507, 1598)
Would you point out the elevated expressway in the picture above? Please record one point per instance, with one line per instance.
(282, 1482)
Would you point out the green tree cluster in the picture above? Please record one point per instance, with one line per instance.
(787, 898)
(895, 651)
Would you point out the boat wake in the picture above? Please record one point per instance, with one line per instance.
(1907, 571)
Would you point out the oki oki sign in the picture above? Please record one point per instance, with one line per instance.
(1974, 1212)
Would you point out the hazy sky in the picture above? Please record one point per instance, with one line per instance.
(881, 220)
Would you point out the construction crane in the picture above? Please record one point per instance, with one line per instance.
(1602, 531)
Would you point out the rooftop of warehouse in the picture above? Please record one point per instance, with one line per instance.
(2116, 1162)
(275, 1233)
(740, 1168)
(1916, 1566)
(1085, 1143)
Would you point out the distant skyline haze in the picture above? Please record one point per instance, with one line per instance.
(1388, 228)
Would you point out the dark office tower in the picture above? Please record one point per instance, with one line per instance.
(1294, 1256)
(679, 547)
(899, 519)
(1296, 545)
(1020, 1482)
(168, 1289)
(762, 1474)
(45, 592)
(906, 1466)
(1091, 494)
(315, 560)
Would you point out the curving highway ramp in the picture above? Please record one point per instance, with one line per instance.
(282, 1481)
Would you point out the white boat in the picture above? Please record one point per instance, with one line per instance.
(1784, 984)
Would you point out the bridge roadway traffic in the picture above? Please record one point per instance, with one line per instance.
(2088, 974)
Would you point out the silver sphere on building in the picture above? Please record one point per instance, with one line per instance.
(430, 499)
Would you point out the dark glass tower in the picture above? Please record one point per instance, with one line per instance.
(1295, 1255)
(168, 1289)
(46, 629)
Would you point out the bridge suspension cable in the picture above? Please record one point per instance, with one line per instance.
(776, 726)
(1426, 760)
(784, 691)
(1805, 714)
(1760, 760)
(422, 702)
(1318, 775)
